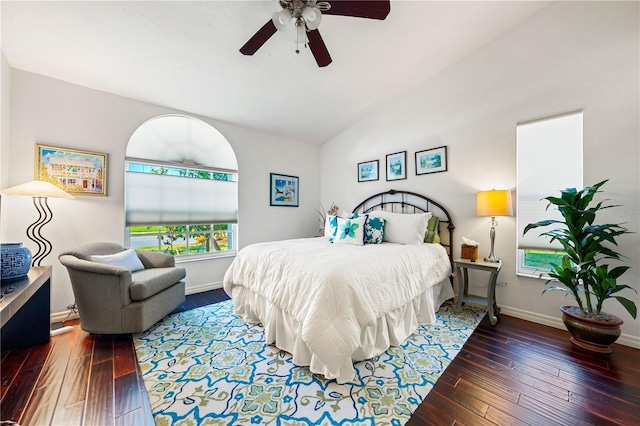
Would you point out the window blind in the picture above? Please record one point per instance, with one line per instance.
(154, 199)
(549, 155)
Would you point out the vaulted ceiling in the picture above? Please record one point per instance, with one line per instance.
(184, 55)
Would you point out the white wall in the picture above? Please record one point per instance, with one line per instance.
(571, 55)
(5, 120)
(49, 111)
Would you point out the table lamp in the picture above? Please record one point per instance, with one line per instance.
(40, 191)
(496, 202)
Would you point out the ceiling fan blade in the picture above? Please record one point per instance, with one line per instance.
(259, 38)
(372, 9)
(318, 48)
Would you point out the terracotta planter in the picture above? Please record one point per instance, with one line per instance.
(591, 334)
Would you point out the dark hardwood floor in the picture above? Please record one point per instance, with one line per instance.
(514, 373)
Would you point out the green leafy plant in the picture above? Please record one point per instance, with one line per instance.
(582, 272)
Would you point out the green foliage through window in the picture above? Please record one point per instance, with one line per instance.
(542, 259)
(178, 171)
(181, 240)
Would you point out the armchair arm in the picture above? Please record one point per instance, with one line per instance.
(153, 259)
(100, 290)
(93, 267)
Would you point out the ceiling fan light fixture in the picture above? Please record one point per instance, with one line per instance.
(312, 17)
(281, 19)
(301, 35)
(306, 15)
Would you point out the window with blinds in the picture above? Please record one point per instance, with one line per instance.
(181, 189)
(549, 159)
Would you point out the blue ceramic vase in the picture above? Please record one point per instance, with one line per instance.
(15, 259)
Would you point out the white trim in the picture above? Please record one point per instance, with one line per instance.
(184, 165)
(624, 339)
(62, 316)
(205, 256)
(526, 271)
(203, 287)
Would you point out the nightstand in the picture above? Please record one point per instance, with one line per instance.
(462, 271)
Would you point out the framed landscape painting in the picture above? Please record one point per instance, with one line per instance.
(431, 160)
(75, 171)
(397, 166)
(284, 190)
(368, 171)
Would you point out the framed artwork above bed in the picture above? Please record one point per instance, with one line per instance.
(368, 171)
(284, 190)
(397, 166)
(431, 160)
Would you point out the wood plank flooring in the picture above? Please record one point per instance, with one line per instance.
(514, 373)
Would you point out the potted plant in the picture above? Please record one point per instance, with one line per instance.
(582, 272)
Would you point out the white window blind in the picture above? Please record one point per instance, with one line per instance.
(549, 155)
(154, 199)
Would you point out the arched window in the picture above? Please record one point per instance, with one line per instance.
(181, 191)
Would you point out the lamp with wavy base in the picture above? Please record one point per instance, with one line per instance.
(40, 191)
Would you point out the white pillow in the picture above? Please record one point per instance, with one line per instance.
(403, 228)
(350, 231)
(127, 259)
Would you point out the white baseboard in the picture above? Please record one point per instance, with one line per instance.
(203, 287)
(62, 316)
(624, 339)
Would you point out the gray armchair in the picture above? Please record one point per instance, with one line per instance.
(114, 300)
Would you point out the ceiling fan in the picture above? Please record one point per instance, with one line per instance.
(306, 15)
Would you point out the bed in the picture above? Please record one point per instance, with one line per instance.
(330, 304)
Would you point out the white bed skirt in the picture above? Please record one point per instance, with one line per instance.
(285, 332)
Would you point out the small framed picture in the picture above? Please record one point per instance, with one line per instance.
(77, 172)
(284, 190)
(368, 171)
(397, 166)
(431, 160)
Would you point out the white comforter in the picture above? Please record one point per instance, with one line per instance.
(335, 291)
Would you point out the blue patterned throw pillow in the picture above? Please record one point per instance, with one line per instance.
(350, 231)
(374, 230)
(331, 227)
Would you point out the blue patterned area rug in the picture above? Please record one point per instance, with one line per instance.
(207, 366)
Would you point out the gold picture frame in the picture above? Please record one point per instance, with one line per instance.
(76, 171)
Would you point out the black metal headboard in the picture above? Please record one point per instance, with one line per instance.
(410, 202)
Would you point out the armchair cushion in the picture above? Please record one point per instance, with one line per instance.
(148, 282)
(127, 259)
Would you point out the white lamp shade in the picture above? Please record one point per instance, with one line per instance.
(312, 17)
(37, 188)
(281, 19)
(496, 202)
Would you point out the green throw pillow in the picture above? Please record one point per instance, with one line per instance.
(431, 236)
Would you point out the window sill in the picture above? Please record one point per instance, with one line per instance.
(201, 257)
(535, 276)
